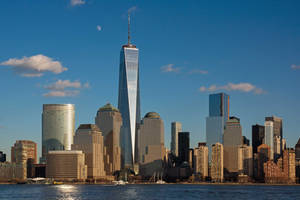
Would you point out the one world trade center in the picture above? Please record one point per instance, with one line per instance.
(129, 101)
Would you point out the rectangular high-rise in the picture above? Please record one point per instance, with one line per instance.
(258, 135)
(129, 101)
(216, 121)
(183, 146)
(175, 129)
(217, 163)
(269, 137)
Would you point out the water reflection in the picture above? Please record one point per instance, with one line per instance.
(67, 192)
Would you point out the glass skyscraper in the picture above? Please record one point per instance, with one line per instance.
(58, 127)
(216, 121)
(129, 102)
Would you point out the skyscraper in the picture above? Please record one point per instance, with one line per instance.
(109, 121)
(201, 161)
(269, 137)
(277, 131)
(129, 100)
(89, 140)
(151, 145)
(217, 160)
(258, 135)
(232, 141)
(216, 121)
(175, 128)
(58, 127)
(184, 146)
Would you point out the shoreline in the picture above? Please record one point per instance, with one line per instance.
(148, 183)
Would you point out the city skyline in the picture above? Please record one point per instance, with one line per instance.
(161, 72)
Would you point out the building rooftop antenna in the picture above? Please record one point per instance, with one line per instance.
(128, 28)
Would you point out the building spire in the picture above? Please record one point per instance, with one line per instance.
(128, 28)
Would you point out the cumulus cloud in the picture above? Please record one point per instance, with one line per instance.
(132, 9)
(198, 71)
(242, 87)
(77, 2)
(34, 66)
(295, 67)
(170, 68)
(99, 28)
(65, 88)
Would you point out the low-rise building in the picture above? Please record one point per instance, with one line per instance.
(66, 165)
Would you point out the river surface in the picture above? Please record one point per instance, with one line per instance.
(145, 192)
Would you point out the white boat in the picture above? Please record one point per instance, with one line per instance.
(120, 182)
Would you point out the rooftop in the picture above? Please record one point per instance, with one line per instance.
(108, 107)
(152, 115)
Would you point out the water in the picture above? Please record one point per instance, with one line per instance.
(145, 192)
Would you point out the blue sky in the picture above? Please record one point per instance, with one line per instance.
(63, 51)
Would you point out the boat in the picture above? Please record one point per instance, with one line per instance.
(120, 182)
(57, 183)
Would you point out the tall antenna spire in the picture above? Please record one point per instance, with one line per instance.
(128, 28)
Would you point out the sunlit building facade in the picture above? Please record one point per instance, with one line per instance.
(176, 127)
(269, 137)
(58, 127)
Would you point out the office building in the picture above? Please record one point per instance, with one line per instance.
(277, 147)
(24, 152)
(109, 121)
(269, 137)
(232, 141)
(247, 160)
(66, 165)
(129, 100)
(175, 129)
(89, 140)
(258, 135)
(58, 127)
(151, 145)
(183, 146)
(263, 155)
(2, 157)
(217, 160)
(201, 161)
(277, 131)
(216, 121)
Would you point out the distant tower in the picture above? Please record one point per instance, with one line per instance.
(151, 145)
(58, 127)
(269, 137)
(129, 100)
(184, 146)
(217, 160)
(216, 121)
(201, 161)
(89, 140)
(175, 129)
(109, 121)
(258, 135)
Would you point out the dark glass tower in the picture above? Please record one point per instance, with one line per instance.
(129, 101)
(216, 121)
(258, 135)
(183, 146)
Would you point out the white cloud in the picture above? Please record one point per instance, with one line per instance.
(62, 93)
(295, 67)
(77, 2)
(34, 66)
(242, 87)
(99, 28)
(65, 88)
(170, 68)
(132, 9)
(198, 71)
